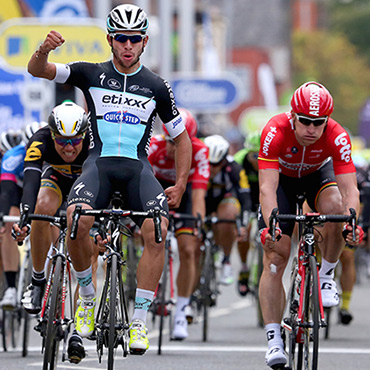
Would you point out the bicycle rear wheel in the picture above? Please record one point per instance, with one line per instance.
(112, 312)
(208, 286)
(311, 317)
(51, 349)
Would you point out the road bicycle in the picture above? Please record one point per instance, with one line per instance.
(56, 316)
(164, 297)
(112, 320)
(205, 296)
(255, 266)
(15, 322)
(304, 310)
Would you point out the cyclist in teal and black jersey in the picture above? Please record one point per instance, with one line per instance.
(124, 98)
(228, 196)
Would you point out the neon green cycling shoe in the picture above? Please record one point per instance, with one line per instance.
(139, 342)
(84, 316)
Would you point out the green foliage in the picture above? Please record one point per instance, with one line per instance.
(332, 60)
(352, 19)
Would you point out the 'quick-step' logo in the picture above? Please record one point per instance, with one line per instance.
(122, 117)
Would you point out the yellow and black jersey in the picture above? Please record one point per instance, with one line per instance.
(231, 181)
(41, 151)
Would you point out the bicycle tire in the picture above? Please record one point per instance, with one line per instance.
(112, 311)
(163, 298)
(259, 248)
(25, 314)
(291, 319)
(206, 289)
(51, 349)
(8, 327)
(311, 316)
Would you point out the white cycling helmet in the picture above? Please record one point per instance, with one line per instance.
(68, 119)
(127, 17)
(9, 139)
(218, 148)
(30, 129)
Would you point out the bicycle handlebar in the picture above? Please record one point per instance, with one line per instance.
(314, 218)
(154, 213)
(213, 220)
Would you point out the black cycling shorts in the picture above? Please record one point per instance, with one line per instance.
(134, 179)
(55, 181)
(310, 186)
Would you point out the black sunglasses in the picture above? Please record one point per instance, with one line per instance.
(134, 39)
(307, 121)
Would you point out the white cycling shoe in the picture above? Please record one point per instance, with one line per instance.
(180, 330)
(329, 293)
(275, 356)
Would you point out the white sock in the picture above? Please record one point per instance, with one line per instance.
(143, 300)
(182, 302)
(273, 335)
(327, 269)
(84, 279)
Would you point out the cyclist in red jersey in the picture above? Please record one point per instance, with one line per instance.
(161, 157)
(303, 151)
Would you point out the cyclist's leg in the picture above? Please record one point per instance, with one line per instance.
(91, 190)
(143, 191)
(243, 248)
(271, 288)
(10, 261)
(330, 202)
(188, 245)
(49, 199)
(347, 282)
(225, 235)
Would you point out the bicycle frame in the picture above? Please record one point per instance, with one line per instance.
(304, 325)
(112, 319)
(53, 324)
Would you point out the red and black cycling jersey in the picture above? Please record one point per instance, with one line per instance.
(41, 151)
(281, 151)
(164, 167)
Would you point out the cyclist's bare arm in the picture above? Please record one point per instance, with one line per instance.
(198, 202)
(38, 66)
(347, 184)
(183, 163)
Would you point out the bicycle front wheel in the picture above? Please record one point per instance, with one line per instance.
(51, 349)
(311, 317)
(112, 312)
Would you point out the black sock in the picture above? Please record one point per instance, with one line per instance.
(38, 278)
(10, 278)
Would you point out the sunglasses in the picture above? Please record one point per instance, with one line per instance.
(64, 142)
(134, 39)
(307, 121)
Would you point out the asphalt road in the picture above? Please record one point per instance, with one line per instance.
(235, 342)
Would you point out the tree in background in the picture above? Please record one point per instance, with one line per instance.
(351, 18)
(332, 60)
